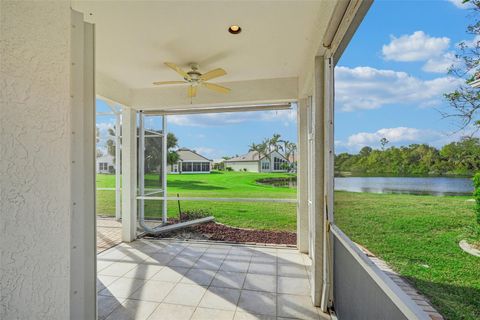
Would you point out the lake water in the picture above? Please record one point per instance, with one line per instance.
(440, 186)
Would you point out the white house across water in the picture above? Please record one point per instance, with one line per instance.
(255, 162)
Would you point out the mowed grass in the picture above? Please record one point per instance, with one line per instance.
(254, 215)
(418, 236)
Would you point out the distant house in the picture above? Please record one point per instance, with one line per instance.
(190, 162)
(105, 164)
(252, 162)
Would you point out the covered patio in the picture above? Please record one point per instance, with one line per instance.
(168, 279)
(285, 55)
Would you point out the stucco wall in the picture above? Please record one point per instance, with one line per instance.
(34, 159)
(251, 166)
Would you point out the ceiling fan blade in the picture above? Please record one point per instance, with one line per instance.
(159, 83)
(216, 87)
(192, 91)
(177, 69)
(213, 74)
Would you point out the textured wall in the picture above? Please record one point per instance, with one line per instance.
(34, 159)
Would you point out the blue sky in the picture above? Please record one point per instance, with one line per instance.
(391, 78)
(389, 83)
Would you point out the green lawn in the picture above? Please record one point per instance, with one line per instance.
(267, 216)
(418, 236)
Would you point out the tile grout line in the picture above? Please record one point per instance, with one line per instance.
(208, 287)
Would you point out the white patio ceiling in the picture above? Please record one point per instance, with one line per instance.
(270, 61)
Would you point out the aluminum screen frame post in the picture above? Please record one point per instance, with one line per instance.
(164, 169)
(141, 172)
(141, 165)
(118, 204)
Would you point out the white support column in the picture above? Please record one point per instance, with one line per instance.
(302, 176)
(129, 174)
(118, 161)
(317, 176)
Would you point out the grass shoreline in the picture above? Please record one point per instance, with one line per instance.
(418, 236)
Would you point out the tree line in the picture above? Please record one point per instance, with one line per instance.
(456, 158)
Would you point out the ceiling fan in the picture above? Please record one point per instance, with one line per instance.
(194, 79)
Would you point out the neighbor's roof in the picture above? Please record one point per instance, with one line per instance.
(250, 156)
(190, 155)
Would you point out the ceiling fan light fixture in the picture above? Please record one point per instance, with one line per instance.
(234, 29)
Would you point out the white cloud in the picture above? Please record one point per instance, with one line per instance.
(440, 64)
(364, 88)
(399, 136)
(418, 46)
(286, 117)
(459, 4)
(395, 136)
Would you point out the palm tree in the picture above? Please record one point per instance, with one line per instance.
(261, 149)
(291, 147)
(273, 142)
(264, 149)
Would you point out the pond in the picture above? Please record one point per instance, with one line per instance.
(439, 186)
(279, 182)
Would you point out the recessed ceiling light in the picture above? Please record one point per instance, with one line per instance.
(234, 29)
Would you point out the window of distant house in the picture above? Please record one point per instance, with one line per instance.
(265, 165)
(197, 166)
(186, 166)
(205, 166)
(277, 163)
(103, 166)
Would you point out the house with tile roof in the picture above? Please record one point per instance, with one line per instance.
(254, 162)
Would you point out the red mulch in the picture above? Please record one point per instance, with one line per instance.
(220, 232)
(225, 233)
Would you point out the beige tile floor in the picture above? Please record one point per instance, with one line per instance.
(167, 279)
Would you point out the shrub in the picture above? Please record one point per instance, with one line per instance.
(476, 195)
(229, 168)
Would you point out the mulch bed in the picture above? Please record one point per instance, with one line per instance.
(220, 232)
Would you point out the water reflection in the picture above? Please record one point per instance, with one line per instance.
(439, 186)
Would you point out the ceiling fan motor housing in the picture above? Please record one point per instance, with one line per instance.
(195, 78)
(194, 73)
